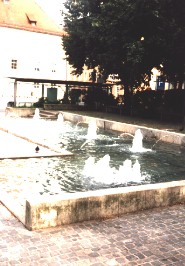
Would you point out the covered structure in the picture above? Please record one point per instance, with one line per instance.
(77, 84)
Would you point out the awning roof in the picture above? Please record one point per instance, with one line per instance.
(56, 81)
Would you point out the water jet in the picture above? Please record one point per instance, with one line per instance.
(37, 113)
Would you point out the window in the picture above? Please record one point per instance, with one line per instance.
(14, 64)
(31, 18)
(36, 85)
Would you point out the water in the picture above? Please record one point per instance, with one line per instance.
(37, 114)
(68, 174)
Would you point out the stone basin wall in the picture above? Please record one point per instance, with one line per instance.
(108, 203)
(102, 204)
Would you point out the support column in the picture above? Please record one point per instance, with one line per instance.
(15, 93)
(42, 90)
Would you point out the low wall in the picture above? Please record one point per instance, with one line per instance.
(61, 107)
(102, 204)
(20, 112)
(58, 107)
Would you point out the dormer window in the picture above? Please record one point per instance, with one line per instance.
(32, 20)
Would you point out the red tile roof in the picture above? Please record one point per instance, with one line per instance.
(23, 14)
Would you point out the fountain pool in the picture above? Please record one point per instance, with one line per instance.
(101, 163)
(98, 165)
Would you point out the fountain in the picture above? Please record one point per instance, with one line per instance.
(124, 175)
(37, 113)
(60, 118)
(94, 170)
(129, 173)
(108, 162)
(105, 159)
(137, 143)
(92, 130)
(91, 133)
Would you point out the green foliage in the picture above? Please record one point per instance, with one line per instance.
(159, 104)
(44, 100)
(66, 100)
(40, 102)
(148, 103)
(99, 98)
(109, 33)
(74, 95)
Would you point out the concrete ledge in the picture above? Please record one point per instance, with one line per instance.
(58, 107)
(102, 204)
(20, 112)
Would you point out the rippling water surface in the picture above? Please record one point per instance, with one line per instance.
(65, 174)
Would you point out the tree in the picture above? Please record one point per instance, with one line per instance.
(126, 37)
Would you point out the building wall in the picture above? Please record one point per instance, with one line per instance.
(38, 56)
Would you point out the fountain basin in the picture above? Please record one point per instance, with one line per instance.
(36, 211)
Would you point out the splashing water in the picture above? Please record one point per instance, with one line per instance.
(91, 134)
(60, 118)
(37, 114)
(119, 167)
(129, 173)
(101, 172)
(137, 144)
(92, 130)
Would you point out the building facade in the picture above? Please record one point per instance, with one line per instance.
(30, 47)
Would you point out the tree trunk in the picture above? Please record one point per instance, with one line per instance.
(127, 99)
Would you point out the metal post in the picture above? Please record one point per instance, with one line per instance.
(15, 93)
(43, 90)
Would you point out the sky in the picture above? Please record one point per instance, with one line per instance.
(52, 8)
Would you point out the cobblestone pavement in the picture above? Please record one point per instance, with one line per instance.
(153, 237)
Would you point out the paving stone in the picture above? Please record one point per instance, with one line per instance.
(153, 237)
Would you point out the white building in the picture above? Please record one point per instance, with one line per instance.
(30, 47)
